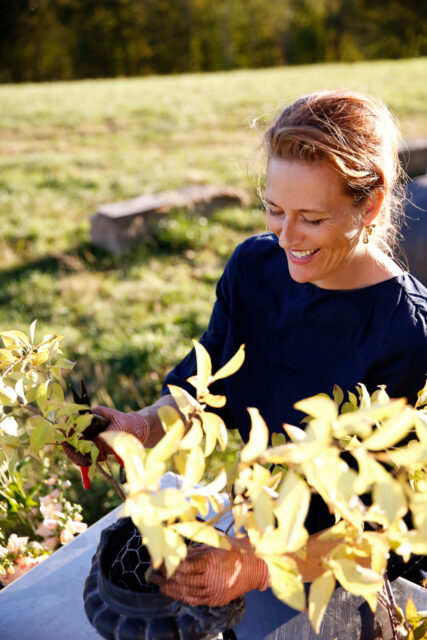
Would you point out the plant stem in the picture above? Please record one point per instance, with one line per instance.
(391, 606)
(111, 479)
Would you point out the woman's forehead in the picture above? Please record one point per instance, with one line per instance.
(305, 185)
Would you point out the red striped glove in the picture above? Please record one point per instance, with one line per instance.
(132, 423)
(214, 577)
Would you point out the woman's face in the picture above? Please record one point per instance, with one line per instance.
(317, 223)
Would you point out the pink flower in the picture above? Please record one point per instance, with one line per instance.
(23, 564)
(45, 500)
(52, 509)
(66, 535)
(47, 526)
(15, 544)
(52, 480)
(50, 543)
(78, 527)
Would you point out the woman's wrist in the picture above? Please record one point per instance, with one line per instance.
(263, 575)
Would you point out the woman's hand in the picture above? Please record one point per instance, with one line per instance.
(132, 423)
(214, 577)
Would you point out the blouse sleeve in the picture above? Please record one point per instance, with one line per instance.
(402, 363)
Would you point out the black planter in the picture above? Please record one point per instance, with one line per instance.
(121, 606)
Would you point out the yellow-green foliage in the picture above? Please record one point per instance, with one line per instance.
(271, 507)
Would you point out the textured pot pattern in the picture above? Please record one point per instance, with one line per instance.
(121, 606)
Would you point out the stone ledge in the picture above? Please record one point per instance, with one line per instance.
(413, 156)
(119, 226)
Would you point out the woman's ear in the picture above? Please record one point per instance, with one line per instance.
(372, 206)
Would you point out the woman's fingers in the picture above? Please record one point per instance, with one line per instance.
(183, 592)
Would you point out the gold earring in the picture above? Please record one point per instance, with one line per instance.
(367, 231)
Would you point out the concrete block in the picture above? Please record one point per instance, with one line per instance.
(414, 231)
(413, 156)
(119, 226)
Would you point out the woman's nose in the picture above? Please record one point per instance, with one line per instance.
(289, 235)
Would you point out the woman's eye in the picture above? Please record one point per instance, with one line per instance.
(272, 212)
(315, 221)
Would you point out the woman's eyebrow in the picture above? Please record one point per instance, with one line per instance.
(311, 211)
(271, 202)
(316, 211)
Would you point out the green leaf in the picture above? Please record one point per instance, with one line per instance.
(213, 400)
(167, 445)
(201, 532)
(231, 366)
(338, 395)
(132, 452)
(353, 399)
(320, 593)
(8, 395)
(94, 453)
(39, 433)
(286, 583)
(365, 398)
(42, 392)
(168, 417)
(214, 428)
(370, 471)
(291, 509)
(411, 609)
(278, 439)
(413, 454)
(258, 437)
(380, 396)
(391, 431)
(390, 498)
(56, 392)
(263, 511)
(194, 468)
(185, 402)
(83, 421)
(193, 437)
(354, 578)
(11, 338)
(422, 396)
(296, 434)
(213, 487)
(204, 367)
(319, 406)
(84, 446)
(33, 330)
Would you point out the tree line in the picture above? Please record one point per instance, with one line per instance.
(65, 39)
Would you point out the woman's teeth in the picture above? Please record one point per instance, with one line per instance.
(303, 254)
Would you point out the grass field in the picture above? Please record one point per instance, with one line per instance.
(67, 147)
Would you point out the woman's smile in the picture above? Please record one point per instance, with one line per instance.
(298, 255)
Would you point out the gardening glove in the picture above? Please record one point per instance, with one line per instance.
(132, 423)
(214, 577)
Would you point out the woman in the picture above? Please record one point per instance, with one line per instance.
(317, 301)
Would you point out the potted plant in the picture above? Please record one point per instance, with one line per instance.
(273, 485)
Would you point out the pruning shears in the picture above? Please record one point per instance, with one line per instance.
(98, 425)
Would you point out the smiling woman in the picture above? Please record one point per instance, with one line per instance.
(318, 301)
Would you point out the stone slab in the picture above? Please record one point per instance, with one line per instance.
(413, 156)
(119, 226)
(414, 231)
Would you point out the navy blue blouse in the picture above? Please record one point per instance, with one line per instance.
(301, 340)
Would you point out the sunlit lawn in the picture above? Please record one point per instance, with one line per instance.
(67, 147)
